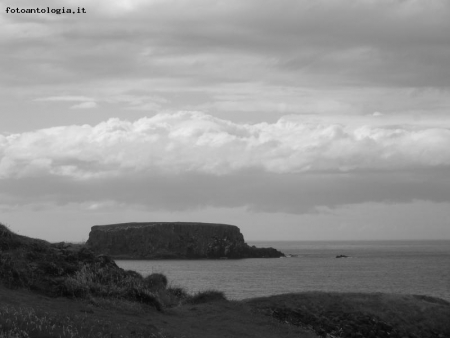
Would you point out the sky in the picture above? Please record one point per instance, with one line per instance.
(294, 120)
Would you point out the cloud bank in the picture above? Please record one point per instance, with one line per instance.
(191, 159)
(199, 143)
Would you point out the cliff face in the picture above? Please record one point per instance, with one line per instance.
(173, 240)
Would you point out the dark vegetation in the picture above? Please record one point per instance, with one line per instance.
(206, 297)
(26, 321)
(361, 315)
(73, 271)
(65, 290)
(156, 281)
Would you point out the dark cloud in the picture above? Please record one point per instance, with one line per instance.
(254, 189)
(389, 43)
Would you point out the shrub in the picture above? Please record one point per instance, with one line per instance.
(156, 281)
(10, 273)
(146, 297)
(206, 297)
(134, 274)
(173, 296)
(101, 281)
(8, 239)
(74, 288)
(179, 293)
(49, 268)
(107, 281)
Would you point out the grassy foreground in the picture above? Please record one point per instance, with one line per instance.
(63, 290)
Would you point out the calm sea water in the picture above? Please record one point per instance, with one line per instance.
(414, 267)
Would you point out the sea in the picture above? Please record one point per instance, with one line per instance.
(402, 267)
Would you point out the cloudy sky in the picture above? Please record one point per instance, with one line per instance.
(293, 119)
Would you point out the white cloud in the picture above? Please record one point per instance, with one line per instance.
(199, 143)
(85, 105)
(68, 98)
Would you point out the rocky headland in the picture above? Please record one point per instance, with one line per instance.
(174, 240)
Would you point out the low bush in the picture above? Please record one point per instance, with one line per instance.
(156, 281)
(145, 296)
(93, 280)
(206, 297)
(177, 292)
(109, 281)
(173, 296)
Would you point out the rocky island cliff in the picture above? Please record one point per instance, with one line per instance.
(175, 240)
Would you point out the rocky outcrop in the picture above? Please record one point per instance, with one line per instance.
(176, 240)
